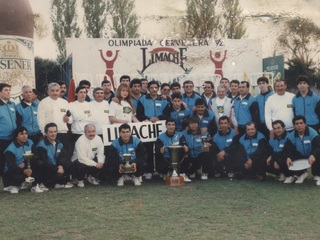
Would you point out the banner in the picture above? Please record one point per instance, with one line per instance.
(145, 131)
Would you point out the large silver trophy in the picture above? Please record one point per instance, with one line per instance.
(205, 140)
(27, 157)
(174, 179)
(127, 167)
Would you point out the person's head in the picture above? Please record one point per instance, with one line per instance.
(5, 91)
(188, 86)
(98, 94)
(244, 88)
(234, 86)
(51, 131)
(86, 84)
(303, 83)
(226, 82)
(263, 84)
(299, 123)
(123, 92)
(135, 86)
(251, 129)
(20, 134)
(153, 88)
(175, 87)
(170, 125)
(278, 128)
(90, 131)
(54, 90)
(106, 86)
(35, 94)
(125, 132)
(193, 123)
(63, 88)
(224, 123)
(144, 85)
(280, 87)
(200, 106)
(165, 89)
(176, 100)
(81, 93)
(125, 79)
(27, 94)
(208, 88)
(221, 91)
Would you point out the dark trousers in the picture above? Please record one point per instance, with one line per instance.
(264, 130)
(3, 145)
(315, 168)
(259, 165)
(67, 142)
(149, 164)
(49, 176)
(113, 169)
(204, 160)
(224, 166)
(79, 170)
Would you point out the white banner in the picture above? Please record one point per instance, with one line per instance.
(145, 131)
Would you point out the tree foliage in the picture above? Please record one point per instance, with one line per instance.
(300, 39)
(233, 24)
(202, 20)
(95, 17)
(125, 21)
(64, 21)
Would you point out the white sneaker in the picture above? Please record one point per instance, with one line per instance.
(25, 185)
(148, 176)
(136, 181)
(36, 189)
(14, 189)
(192, 176)
(7, 189)
(57, 186)
(281, 177)
(204, 176)
(316, 178)
(318, 182)
(120, 182)
(68, 185)
(185, 177)
(93, 180)
(302, 177)
(43, 187)
(140, 178)
(80, 184)
(289, 180)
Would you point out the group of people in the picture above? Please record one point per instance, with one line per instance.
(222, 133)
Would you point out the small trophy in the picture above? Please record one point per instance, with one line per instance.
(127, 167)
(27, 157)
(205, 140)
(174, 179)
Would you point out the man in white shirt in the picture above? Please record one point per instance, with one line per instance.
(279, 107)
(88, 157)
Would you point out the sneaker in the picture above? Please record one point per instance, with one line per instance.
(148, 176)
(217, 175)
(14, 189)
(136, 181)
(281, 177)
(140, 178)
(68, 185)
(80, 184)
(43, 187)
(57, 186)
(302, 177)
(92, 180)
(185, 177)
(36, 189)
(7, 189)
(204, 176)
(318, 182)
(192, 176)
(289, 179)
(316, 178)
(231, 175)
(120, 182)
(25, 185)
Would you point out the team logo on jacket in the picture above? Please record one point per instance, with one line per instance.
(127, 110)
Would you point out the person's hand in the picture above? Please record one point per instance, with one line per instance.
(276, 165)
(185, 148)
(134, 167)
(99, 165)
(27, 172)
(22, 165)
(269, 160)
(115, 99)
(248, 164)
(60, 170)
(312, 159)
(162, 150)
(121, 168)
(289, 162)
(153, 119)
(65, 119)
(220, 155)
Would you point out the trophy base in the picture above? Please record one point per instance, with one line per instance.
(174, 181)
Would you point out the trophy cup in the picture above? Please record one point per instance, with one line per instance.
(174, 179)
(27, 157)
(205, 140)
(127, 167)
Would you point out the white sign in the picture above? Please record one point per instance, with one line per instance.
(145, 131)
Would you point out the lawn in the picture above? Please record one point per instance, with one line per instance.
(213, 209)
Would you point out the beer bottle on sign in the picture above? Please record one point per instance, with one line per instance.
(16, 45)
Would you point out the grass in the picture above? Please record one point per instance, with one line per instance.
(213, 209)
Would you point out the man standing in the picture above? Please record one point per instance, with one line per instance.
(63, 90)
(234, 89)
(108, 93)
(144, 86)
(125, 79)
(208, 93)
(279, 106)
(88, 157)
(190, 96)
(135, 86)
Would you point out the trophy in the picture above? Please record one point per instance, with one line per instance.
(27, 157)
(127, 167)
(174, 179)
(205, 140)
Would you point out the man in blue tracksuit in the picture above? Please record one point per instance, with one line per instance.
(8, 121)
(189, 96)
(246, 108)
(126, 144)
(27, 111)
(306, 103)
(303, 142)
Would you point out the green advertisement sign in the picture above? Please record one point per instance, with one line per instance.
(274, 65)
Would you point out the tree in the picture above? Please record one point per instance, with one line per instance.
(64, 21)
(300, 39)
(95, 17)
(125, 22)
(202, 21)
(233, 26)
